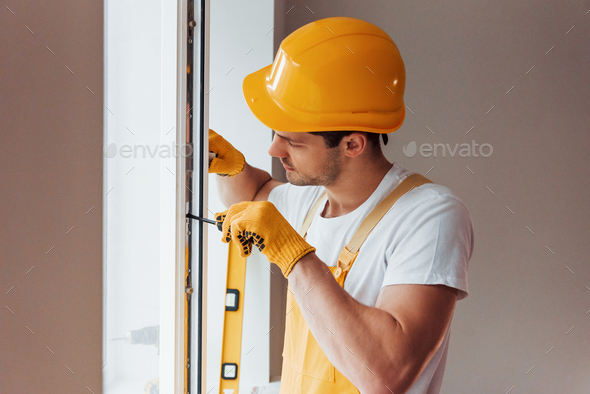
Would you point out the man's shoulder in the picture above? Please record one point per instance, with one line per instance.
(427, 193)
(435, 191)
(431, 197)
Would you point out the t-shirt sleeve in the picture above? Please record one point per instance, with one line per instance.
(279, 197)
(435, 246)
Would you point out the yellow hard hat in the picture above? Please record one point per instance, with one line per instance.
(332, 74)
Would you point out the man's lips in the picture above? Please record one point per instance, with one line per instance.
(287, 167)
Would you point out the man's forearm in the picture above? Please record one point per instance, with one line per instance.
(350, 334)
(242, 187)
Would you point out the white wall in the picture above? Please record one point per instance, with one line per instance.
(461, 59)
(241, 43)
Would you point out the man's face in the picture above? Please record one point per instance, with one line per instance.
(306, 158)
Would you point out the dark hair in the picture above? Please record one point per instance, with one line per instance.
(333, 138)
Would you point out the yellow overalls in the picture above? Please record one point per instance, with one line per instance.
(306, 369)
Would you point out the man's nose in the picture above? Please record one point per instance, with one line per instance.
(276, 147)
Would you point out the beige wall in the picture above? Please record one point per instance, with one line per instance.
(461, 58)
(51, 175)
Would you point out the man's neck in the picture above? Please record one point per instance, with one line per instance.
(353, 187)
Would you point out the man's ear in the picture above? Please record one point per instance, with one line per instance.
(355, 144)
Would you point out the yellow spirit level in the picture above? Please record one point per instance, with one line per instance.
(231, 347)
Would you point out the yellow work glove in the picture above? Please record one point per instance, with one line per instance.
(229, 161)
(260, 223)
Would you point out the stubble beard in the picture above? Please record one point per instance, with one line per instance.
(329, 175)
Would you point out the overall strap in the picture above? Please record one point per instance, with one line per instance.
(410, 182)
(350, 251)
(311, 214)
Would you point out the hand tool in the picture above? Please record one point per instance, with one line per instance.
(210, 221)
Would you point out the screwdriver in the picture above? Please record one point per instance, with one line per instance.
(219, 225)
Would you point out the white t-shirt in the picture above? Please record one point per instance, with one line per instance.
(426, 238)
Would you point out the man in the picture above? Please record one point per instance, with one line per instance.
(379, 321)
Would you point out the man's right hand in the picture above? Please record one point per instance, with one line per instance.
(228, 161)
(260, 223)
